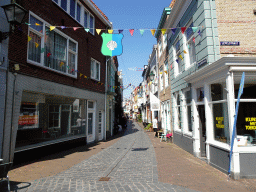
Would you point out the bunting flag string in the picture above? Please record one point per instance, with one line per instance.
(111, 31)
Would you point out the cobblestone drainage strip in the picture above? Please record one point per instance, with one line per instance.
(104, 179)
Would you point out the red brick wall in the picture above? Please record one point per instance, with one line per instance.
(89, 46)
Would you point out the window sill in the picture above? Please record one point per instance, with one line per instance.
(50, 69)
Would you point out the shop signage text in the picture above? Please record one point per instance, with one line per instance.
(229, 43)
(252, 121)
(220, 122)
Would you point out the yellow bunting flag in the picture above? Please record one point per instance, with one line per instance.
(153, 31)
(185, 52)
(36, 44)
(85, 76)
(165, 72)
(17, 67)
(161, 73)
(181, 57)
(61, 63)
(98, 31)
(163, 31)
(52, 27)
(37, 24)
(110, 31)
(81, 74)
(29, 38)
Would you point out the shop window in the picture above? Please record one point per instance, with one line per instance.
(220, 113)
(246, 119)
(54, 116)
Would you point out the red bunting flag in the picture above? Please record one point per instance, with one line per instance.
(183, 29)
(194, 39)
(48, 54)
(75, 28)
(131, 31)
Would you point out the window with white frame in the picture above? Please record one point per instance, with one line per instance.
(165, 40)
(78, 12)
(51, 49)
(177, 58)
(178, 109)
(191, 47)
(95, 70)
(160, 46)
(161, 78)
(166, 74)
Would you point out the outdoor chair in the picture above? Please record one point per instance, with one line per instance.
(163, 136)
(4, 169)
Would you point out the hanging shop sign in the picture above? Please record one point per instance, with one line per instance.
(112, 44)
(229, 43)
(202, 62)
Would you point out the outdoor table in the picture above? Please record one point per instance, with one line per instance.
(159, 133)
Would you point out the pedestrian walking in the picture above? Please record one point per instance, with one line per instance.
(155, 126)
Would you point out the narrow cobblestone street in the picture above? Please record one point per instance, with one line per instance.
(130, 164)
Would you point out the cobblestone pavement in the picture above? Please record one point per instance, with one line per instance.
(130, 164)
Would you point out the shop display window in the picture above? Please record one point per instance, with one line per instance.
(46, 117)
(246, 119)
(220, 113)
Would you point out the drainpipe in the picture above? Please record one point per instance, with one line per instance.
(10, 147)
(106, 76)
(213, 33)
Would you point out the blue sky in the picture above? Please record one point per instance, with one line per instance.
(134, 14)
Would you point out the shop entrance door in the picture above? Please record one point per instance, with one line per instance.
(65, 116)
(90, 133)
(202, 129)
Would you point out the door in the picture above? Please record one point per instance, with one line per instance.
(101, 123)
(202, 129)
(65, 119)
(90, 130)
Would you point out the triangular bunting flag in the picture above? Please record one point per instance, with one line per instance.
(161, 73)
(27, 23)
(194, 29)
(62, 27)
(131, 31)
(183, 29)
(173, 30)
(98, 31)
(163, 31)
(110, 31)
(36, 44)
(194, 39)
(48, 54)
(142, 31)
(75, 28)
(153, 31)
(185, 52)
(171, 66)
(120, 31)
(199, 32)
(61, 63)
(181, 57)
(29, 38)
(85, 76)
(81, 74)
(188, 46)
(87, 29)
(37, 24)
(52, 28)
(165, 72)
(42, 50)
(177, 60)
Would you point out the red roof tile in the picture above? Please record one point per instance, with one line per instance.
(99, 10)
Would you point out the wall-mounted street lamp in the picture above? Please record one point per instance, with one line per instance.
(14, 14)
(151, 76)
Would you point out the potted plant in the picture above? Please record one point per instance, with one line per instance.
(149, 127)
(169, 137)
